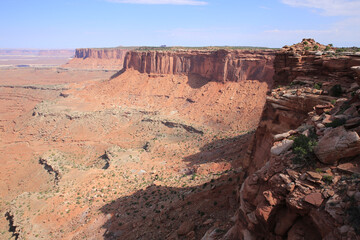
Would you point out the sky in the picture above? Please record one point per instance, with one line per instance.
(68, 24)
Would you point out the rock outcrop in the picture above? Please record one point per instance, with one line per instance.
(303, 169)
(220, 66)
(324, 66)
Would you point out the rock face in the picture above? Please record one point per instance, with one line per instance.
(105, 53)
(282, 198)
(220, 66)
(102, 58)
(291, 65)
(284, 110)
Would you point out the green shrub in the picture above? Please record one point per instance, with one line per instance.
(333, 101)
(336, 90)
(306, 43)
(318, 86)
(316, 47)
(336, 123)
(327, 48)
(303, 148)
(307, 48)
(327, 179)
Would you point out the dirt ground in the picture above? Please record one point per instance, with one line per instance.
(84, 156)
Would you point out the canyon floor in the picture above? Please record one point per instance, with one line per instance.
(87, 156)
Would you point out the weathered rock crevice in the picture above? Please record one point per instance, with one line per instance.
(51, 170)
(170, 124)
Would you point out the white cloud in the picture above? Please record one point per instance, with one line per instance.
(342, 33)
(163, 2)
(329, 7)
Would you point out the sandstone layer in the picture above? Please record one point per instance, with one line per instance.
(220, 66)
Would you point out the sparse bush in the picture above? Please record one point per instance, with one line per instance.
(327, 48)
(307, 48)
(316, 47)
(306, 43)
(318, 86)
(336, 90)
(303, 148)
(327, 179)
(336, 123)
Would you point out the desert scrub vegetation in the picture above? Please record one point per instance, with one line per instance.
(303, 149)
(347, 49)
(336, 123)
(318, 86)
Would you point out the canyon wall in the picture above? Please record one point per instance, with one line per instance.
(286, 195)
(283, 112)
(220, 66)
(98, 58)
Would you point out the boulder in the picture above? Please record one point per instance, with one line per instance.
(282, 147)
(336, 144)
(351, 167)
(356, 69)
(281, 136)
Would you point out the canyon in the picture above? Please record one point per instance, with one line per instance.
(183, 144)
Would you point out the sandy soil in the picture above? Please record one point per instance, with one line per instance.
(137, 157)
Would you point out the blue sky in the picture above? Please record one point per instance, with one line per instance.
(110, 23)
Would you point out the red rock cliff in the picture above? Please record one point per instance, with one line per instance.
(282, 198)
(291, 65)
(93, 58)
(221, 65)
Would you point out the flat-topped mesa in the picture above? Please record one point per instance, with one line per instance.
(220, 65)
(98, 58)
(101, 53)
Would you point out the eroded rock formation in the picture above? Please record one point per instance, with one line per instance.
(102, 58)
(303, 169)
(220, 66)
